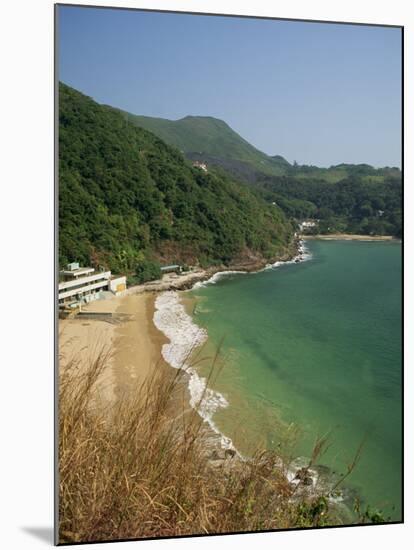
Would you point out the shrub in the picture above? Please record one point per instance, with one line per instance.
(147, 270)
(145, 466)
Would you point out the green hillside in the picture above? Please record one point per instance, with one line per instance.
(210, 138)
(126, 198)
(339, 172)
(355, 204)
(352, 198)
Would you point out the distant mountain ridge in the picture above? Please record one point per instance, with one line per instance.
(211, 140)
(353, 198)
(128, 196)
(205, 137)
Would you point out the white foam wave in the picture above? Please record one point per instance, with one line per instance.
(303, 255)
(299, 463)
(171, 318)
(321, 484)
(217, 276)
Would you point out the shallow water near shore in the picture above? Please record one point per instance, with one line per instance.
(310, 348)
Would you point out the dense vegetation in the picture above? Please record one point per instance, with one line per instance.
(211, 138)
(147, 271)
(127, 199)
(347, 198)
(352, 205)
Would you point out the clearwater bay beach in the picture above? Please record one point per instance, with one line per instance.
(248, 404)
(228, 273)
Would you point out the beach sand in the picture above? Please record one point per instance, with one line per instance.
(348, 237)
(131, 338)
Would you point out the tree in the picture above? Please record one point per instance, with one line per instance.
(148, 270)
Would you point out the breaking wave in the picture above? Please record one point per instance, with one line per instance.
(171, 318)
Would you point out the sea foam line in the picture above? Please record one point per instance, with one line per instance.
(171, 318)
(303, 255)
(216, 277)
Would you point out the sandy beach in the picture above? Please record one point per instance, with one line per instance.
(131, 338)
(124, 327)
(348, 237)
(128, 335)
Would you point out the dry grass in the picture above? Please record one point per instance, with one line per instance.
(136, 470)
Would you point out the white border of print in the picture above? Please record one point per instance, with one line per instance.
(26, 217)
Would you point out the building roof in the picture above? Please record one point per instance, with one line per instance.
(76, 272)
(174, 266)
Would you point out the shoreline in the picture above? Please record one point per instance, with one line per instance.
(349, 237)
(131, 333)
(186, 338)
(307, 481)
(137, 342)
(220, 449)
(186, 281)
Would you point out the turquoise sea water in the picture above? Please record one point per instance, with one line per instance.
(310, 348)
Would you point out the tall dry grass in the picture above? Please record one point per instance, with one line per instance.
(141, 467)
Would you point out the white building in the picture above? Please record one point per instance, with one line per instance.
(307, 225)
(82, 285)
(175, 268)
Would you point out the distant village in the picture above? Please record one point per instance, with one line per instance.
(308, 225)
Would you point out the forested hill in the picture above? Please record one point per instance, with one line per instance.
(126, 198)
(355, 204)
(211, 140)
(345, 198)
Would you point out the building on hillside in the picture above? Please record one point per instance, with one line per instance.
(307, 225)
(79, 285)
(201, 165)
(175, 268)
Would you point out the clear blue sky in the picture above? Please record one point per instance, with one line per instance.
(315, 93)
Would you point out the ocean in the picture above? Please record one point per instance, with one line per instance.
(304, 350)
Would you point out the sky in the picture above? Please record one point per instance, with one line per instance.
(314, 93)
